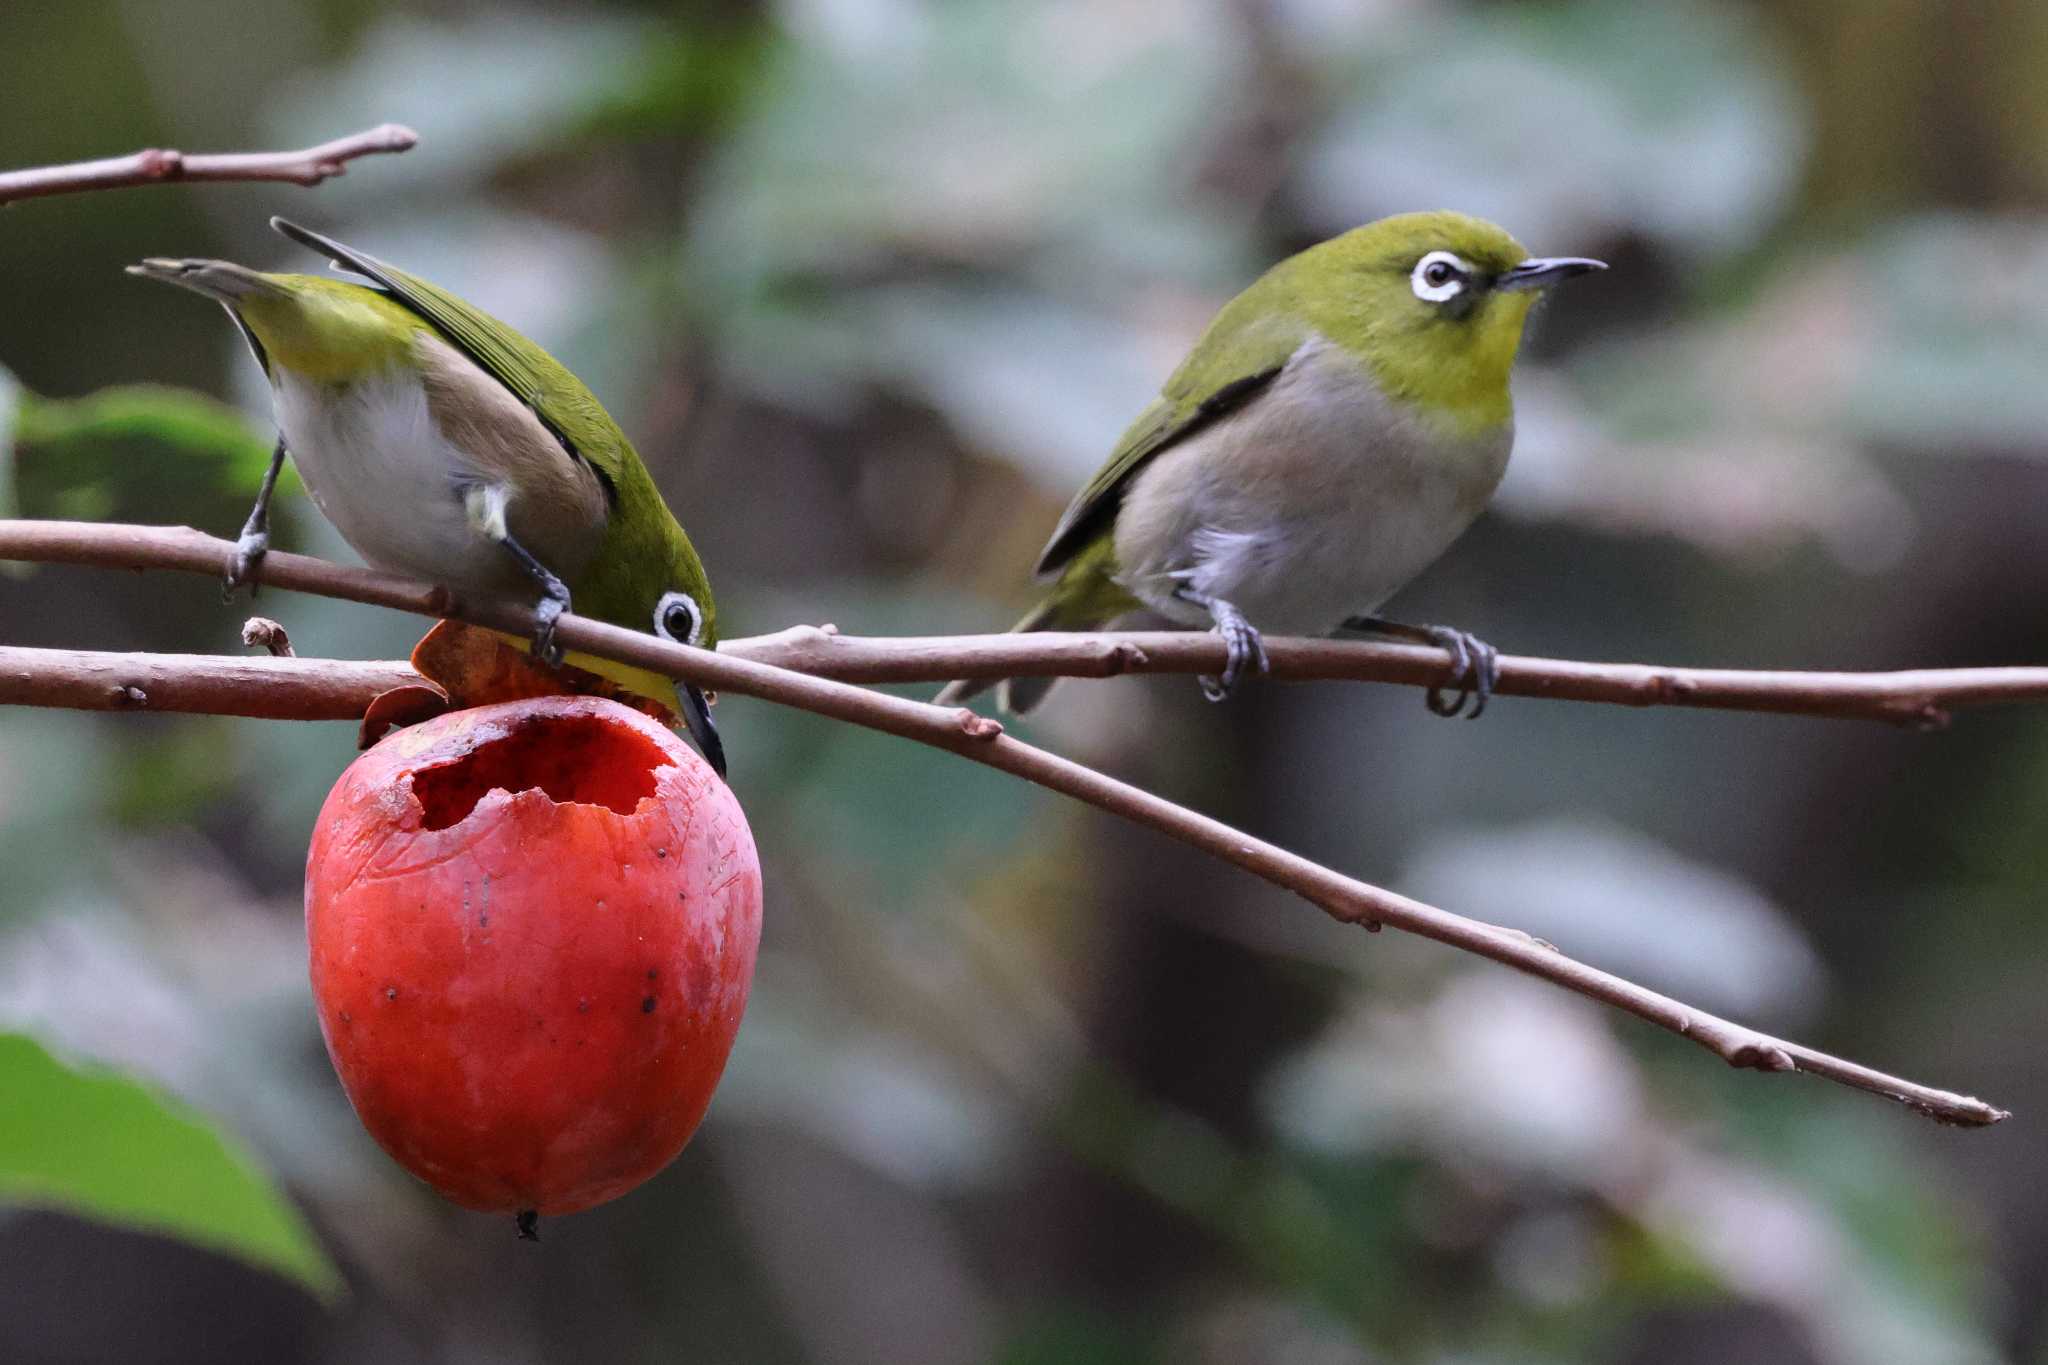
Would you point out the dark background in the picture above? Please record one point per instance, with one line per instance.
(874, 284)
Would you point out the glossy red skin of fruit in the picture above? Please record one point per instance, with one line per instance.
(530, 1005)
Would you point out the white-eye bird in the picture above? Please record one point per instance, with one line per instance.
(1338, 425)
(444, 445)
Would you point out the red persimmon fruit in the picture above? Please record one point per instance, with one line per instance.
(531, 928)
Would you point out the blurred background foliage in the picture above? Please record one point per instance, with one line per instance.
(874, 283)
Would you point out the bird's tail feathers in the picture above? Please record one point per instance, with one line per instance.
(222, 280)
(1019, 696)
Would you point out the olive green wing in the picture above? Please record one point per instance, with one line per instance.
(1230, 366)
(557, 397)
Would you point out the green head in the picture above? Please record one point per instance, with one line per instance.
(646, 575)
(1433, 302)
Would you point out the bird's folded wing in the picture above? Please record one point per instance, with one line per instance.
(556, 396)
(1231, 365)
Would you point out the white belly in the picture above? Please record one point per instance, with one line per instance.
(380, 470)
(1316, 503)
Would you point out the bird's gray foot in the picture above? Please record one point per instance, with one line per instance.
(1475, 669)
(247, 559)
(1475, 664)
(1243, 649)
(545, 613)
(254, 542)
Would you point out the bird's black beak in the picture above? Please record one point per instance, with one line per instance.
(1540, 272)
(697, 715)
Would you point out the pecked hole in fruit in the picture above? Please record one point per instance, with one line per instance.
(580, 759)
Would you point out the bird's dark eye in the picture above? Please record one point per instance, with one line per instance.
(1439, 277)
(678, 618)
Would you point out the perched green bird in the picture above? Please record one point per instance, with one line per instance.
(443, 444)
(1340, 423)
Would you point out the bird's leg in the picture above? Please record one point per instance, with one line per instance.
(1475, 664)
(1240, 640)
(485, 504)
(255, 539)
(554, 600)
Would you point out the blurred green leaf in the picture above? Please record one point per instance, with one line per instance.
(891, 839)
(1648, 1266)
(1870, 1174)
(166, 451)
(1070, 1334)
(189, 424)
(174, 775)
(97, 1144)
(690, 82)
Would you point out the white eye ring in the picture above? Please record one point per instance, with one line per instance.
(1439, 276)
(671, 604)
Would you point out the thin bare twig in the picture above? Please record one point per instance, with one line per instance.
(161, 165)
(1915, 696)
(959, 731)
(262, 686)
(1918, 697)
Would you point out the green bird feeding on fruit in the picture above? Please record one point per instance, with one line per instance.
(443, 444)
(1340, 423)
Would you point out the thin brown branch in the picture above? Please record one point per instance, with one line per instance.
(161, 165)
(261, 686)
(1919, 697)
(961, 732)
(1908, 696)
